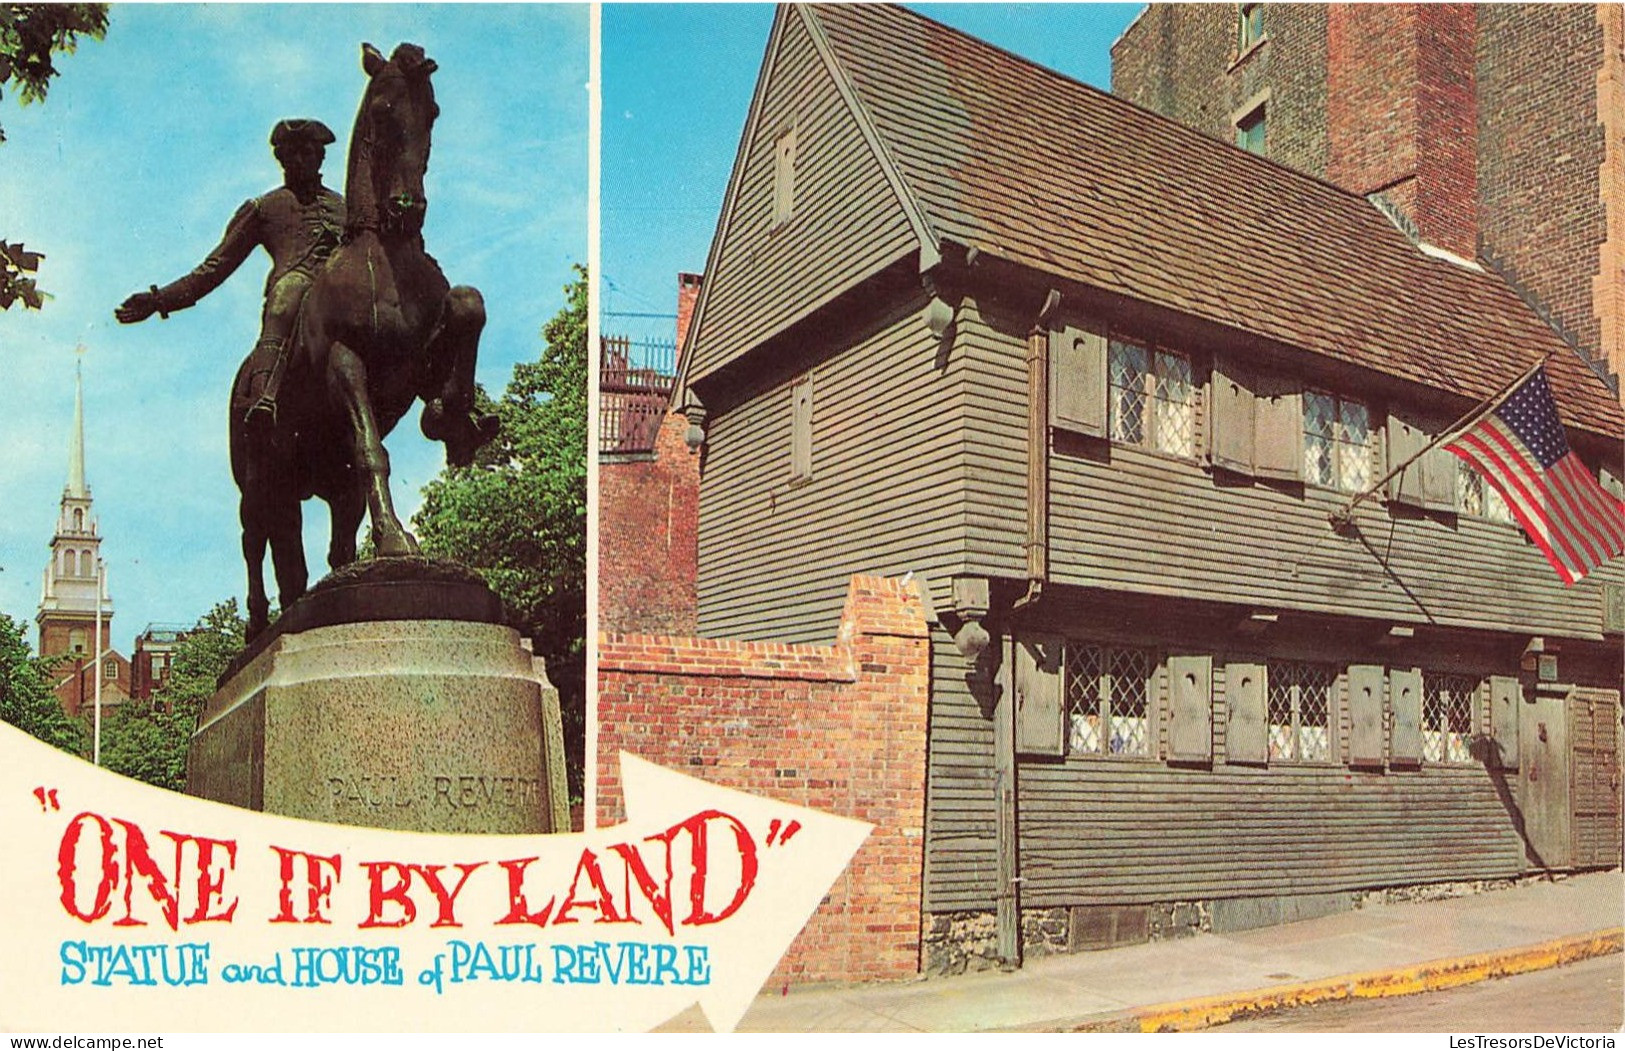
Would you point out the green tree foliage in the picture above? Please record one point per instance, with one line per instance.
(147, 740)
(518, 514)
(31, 36)
(26, 700)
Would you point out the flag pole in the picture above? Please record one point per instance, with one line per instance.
(1478, 412)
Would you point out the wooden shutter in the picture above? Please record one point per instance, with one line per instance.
(784, 176)
(1038, 696)
(1230, 441)
(1405, 696)
(1278, 428)
(1405, 439)
(801, 428)
(1439, 468)
(1365, 715)
(1246, 735)
(1613, 608)
(1077, 380)
(1505, 693)
(1190, 688)
(1430, 482)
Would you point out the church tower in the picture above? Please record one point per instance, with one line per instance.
(67, 610)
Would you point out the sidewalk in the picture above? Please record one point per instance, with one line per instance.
(1189, 982)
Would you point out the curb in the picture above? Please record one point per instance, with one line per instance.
(1183, 1016)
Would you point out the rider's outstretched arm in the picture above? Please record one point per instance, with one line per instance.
(241, 236)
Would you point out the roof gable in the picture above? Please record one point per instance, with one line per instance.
(852, 213)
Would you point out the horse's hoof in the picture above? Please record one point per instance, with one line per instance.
(471, 436)
(396, 545)
(433, 420)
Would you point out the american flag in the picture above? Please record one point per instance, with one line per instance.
(1520, 448)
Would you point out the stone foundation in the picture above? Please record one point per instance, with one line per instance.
(967, 942)
(1437, 891)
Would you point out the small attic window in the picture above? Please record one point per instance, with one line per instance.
(1250, 131)
(1249, 26)
(784, 176)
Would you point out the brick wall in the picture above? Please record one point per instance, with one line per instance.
(1541, 154)
(1402, 113)
(839, 728)
(648, 509)
(688, 296)
(1181, 60)
(1447, 127)
(1371, 110)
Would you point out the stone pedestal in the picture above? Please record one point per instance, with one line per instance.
(424, 724)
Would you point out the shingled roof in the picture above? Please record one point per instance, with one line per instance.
(1025, 164)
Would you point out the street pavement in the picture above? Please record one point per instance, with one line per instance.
(1196, 982)
(1584, 997)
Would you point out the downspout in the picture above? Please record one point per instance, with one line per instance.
(1007, 827)
(1037, 541)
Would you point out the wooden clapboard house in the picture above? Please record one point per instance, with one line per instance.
(1100, 382)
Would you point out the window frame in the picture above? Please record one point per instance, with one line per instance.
(1249, 27)
(1106, 695)
(1337, 443)
(1449, 752)
(1298, 670)
(1487, 498)
(1151, 384)
(1254, 124)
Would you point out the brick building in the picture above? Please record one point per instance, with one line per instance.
(74, 586)
(154, 655)
(1497, 130)
(648, 487)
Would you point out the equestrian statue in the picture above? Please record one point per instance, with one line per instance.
(359, 323)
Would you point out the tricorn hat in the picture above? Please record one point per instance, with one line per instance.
(294, 130)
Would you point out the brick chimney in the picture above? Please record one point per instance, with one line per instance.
(688, 293)
(1402, 113)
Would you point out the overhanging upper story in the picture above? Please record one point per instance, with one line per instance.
(1247, 346)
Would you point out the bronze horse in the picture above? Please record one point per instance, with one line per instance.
(379, 328)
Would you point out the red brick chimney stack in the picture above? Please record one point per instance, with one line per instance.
(1402, 113)
(688, 293)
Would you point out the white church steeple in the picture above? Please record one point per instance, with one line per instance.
(67, 611)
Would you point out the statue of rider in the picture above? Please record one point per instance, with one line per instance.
(299, 224)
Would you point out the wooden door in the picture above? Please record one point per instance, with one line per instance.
(1594, 778)
(1543, 778)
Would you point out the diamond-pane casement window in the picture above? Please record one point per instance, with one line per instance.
(1447, 717)
(1173, 405)
(1300, 711)
(1084, 705)
(1339, 447)
(1130, 373)
(1108, 700)
(1153, 399)
(1474, 496)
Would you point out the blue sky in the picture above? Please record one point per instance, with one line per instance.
(126, 175)
(677, 83)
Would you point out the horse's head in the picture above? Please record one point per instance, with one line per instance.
(389, 149)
